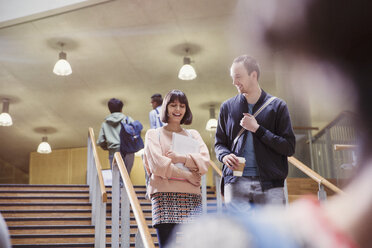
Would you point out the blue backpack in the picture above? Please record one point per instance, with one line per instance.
(130, 137)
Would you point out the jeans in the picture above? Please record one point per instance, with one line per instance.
(246, 192)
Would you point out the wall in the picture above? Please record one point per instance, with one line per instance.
(9, 174)
(68, 166)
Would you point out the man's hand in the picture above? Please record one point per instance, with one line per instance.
(175, 157)
(249, 122)
(231, 161)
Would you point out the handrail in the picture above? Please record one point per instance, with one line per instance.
(98, 166)
(137, 211)
(339, 147)
(305, 128)
(312, 174)
(98, 197)
(214, 166)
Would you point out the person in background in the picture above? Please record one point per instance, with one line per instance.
(154, 115)
(174, 191)
(155, 122)
(109, 138)
(266, 142)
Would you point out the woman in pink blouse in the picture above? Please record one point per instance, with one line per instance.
(174, 190)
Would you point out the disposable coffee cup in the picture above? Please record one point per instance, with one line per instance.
(239, 171)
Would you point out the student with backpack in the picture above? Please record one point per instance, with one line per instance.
(112, 132)
(175, 175)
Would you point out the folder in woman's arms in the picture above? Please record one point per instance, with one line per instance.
(182, 144)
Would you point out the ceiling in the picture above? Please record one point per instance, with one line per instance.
(128, 49)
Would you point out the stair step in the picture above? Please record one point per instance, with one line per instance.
(58, 238)
(60, 215)
(63, 229)
(7, 199)
(62, 245)
(44, 205)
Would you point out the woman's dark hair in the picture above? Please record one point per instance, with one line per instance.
(171, 97)
(115, 105)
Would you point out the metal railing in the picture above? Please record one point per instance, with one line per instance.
(322, 194)
(327, 161)
(122, 199)
(217, 174)
(97, 192)
(322, 182)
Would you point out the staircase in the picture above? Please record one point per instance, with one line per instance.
(60, 215)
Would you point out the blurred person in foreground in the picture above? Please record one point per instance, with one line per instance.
(340, 33)
(4, 234)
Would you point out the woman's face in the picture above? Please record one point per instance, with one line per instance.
(176, 111)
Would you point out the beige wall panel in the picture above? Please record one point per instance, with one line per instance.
(49, 168)
(68, 166)
(103, 158)
(78, 164)
(137, 174)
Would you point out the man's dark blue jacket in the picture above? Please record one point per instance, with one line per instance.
(273, 141)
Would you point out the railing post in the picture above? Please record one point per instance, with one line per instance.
(286, 193)
(125, 219)
(89, 168)
(94, 198)
(204, 193)
(100, 227)
(115, 205)
(329, 150)
(217, 183)
(309, 135)
(322, 194)
(139, 243)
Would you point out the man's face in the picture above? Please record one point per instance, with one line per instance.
(240, 78)
(153, 104)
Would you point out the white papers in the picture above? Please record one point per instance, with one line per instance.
(182, 144)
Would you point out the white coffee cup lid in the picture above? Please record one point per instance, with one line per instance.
(241, 159)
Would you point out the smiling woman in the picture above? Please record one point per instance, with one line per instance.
(175, 176)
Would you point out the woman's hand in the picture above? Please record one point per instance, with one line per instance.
(194, 178)
(175, 157)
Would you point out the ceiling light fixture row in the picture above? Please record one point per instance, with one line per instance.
(5, 118)
(187, 72)
(62, 67)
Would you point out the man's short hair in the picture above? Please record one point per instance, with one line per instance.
(157, 98)
(249, 63)
(115, 105)
(171, 97)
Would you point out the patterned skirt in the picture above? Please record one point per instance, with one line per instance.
(172, 207)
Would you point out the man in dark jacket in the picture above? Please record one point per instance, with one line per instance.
(265, 144)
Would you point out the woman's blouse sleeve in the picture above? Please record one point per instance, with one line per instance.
(154, 160)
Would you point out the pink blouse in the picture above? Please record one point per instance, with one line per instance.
(160, 168)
